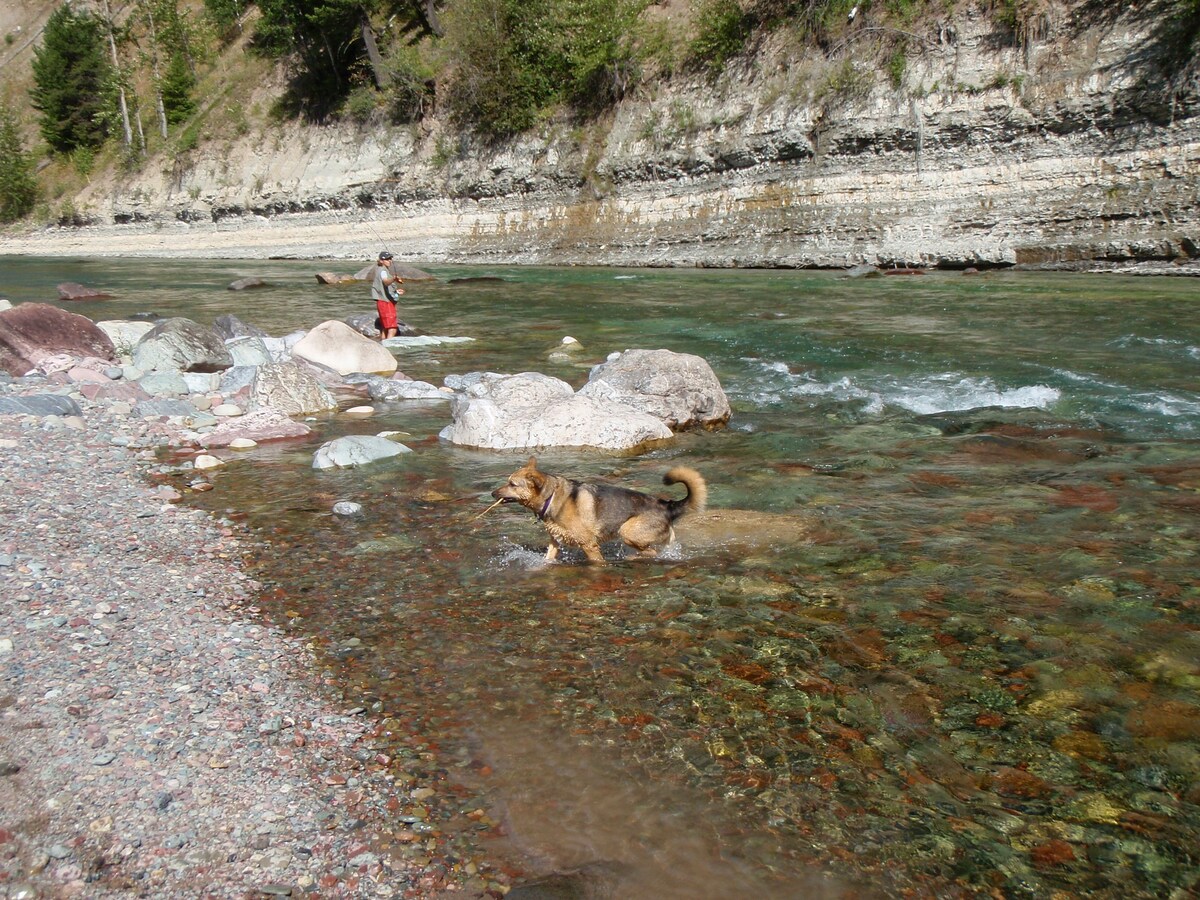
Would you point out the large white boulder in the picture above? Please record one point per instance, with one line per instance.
(678, 388)
(530, 410)
(337, 346)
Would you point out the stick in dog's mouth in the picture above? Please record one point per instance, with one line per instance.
(489, 509)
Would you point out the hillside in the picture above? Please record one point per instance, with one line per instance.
(1070, 142)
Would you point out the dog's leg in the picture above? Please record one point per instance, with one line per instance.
(552, 551)
(593, 554)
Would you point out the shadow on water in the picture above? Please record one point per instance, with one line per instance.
(941, 636)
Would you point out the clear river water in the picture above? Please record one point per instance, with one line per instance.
(949, 646)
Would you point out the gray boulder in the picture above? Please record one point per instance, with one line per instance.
(164, 384)
(39, 405)
(229, 327)
(356, 450)
(182, 345)
(405, 389)
(289, 388)
(679, 389)
(530, 410)
(248, 351)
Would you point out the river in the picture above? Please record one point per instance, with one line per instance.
(956, 653)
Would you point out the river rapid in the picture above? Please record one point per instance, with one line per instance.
(952, 648)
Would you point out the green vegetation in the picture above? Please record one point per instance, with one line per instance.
(71, 73)
(18, 187)
(495, 68)
(724, 30)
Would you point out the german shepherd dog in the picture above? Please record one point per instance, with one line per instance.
(585, 515)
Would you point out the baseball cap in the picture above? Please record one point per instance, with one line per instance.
(385, 254)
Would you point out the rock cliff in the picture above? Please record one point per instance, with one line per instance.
(1067, 142)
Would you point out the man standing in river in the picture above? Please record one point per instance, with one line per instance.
(385, 295)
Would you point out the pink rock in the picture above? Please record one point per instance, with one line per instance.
(113, 390)
(260, 425)
(79, 374)
(71, 291)
(31, 332)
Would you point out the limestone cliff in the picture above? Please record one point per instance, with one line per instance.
(1067, 142)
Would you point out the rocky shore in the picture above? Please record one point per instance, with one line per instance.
(157, 738)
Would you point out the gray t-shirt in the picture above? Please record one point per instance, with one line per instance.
(378, 288)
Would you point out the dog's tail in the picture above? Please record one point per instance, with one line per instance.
(697, 495)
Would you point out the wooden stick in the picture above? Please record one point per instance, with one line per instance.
(489, 509)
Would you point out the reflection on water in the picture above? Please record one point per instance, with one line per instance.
(948, 643)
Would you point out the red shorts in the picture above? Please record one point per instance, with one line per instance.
(387, 314)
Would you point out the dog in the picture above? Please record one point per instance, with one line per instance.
(585, 515)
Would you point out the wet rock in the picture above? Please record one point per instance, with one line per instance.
(259, 426)
(356, 450)
(69, 290)
(245, 284)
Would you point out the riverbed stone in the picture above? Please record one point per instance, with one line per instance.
(258, 426)
(289, 388)
(681, 389)
(31, 332)
(248, 351)
(531, 410)
(125, 334)
(182, 345)
(337, 346)
(356, 450)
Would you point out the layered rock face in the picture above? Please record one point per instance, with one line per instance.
(1068, 141)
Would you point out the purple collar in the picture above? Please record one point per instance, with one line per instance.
(546, 506)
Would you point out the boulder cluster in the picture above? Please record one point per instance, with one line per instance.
(232, 386)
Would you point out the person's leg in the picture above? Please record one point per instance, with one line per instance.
(388, 327)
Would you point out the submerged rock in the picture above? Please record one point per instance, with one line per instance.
(356, 450)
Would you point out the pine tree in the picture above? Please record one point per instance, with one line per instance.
(70, 71)
(18, 188)
(177, 87)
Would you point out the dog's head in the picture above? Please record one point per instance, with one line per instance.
(524, 486)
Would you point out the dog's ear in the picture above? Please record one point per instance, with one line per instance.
(532, 464)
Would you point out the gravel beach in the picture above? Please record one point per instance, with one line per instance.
(156, 737)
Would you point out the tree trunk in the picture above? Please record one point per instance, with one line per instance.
(112, 44)
(431, 18)
(377, 67)
(158, 97)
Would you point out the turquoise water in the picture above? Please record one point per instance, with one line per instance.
(944, 642)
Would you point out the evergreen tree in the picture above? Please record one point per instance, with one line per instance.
(177, 87)
(70, 70)
(18, 188)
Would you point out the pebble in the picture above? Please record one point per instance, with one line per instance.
(152, 694)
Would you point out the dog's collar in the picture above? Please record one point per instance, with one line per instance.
(546, 506)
